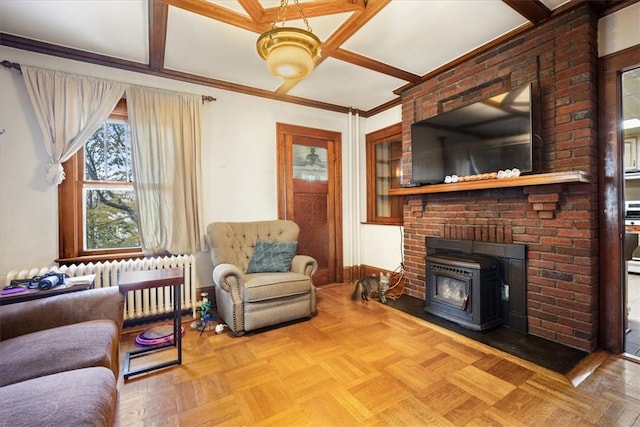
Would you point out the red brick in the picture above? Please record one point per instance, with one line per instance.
(550, 197)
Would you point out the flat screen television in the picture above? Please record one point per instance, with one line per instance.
(487, 136)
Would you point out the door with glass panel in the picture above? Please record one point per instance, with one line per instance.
(309, 194)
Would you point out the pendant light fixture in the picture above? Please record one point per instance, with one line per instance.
(290, 52)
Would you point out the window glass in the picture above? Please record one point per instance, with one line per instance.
(108, 154)
(384, 154)
(310, 163)
(109, 208)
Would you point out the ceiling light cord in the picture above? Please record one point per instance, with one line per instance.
(282, 15)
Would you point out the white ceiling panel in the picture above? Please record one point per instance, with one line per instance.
(322, 26)
(117, 28)
(203, 46)
(350, 85)
(230, 4)
(419, 36)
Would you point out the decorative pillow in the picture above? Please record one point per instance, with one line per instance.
(272, 257)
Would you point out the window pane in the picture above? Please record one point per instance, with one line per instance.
(111, 220)
(310, 163)
(108, 154)
(387, 156)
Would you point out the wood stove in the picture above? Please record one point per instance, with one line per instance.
(512, 280)
(464, 288)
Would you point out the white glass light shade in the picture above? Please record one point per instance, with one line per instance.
(290, 52)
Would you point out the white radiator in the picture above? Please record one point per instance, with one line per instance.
(138, 304)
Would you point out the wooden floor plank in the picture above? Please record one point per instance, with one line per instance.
(363, 363)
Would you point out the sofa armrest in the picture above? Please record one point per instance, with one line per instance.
(304, 264)
(75, 307)
(227, 277)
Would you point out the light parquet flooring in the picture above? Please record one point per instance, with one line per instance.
(367, 364)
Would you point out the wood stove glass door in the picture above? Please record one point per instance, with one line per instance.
(452, 290)
(450, 295)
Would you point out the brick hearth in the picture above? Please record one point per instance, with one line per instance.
(558, 223)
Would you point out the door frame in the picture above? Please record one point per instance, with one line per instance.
(334, 140)
(612, 266)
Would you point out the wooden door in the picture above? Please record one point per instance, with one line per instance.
(309, 182)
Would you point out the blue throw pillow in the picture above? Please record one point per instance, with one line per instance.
(273, 257)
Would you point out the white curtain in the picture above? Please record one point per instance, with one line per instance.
(69, 109)
(165, 136)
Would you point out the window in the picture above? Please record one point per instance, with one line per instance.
(384, 153)
(97, 202)
(109, 210)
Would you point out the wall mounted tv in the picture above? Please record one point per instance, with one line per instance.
(488, 136)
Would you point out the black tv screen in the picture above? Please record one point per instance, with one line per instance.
(487, 136)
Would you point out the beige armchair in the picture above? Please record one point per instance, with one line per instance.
(255, 284)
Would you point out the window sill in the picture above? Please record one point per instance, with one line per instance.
(396, 223)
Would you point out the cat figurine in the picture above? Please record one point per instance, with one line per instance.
(369, 284)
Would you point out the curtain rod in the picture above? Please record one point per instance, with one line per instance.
(16, 66)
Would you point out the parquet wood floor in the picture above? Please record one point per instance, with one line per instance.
(361, 363)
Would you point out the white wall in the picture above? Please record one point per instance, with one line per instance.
(380, 245)
(239, 159)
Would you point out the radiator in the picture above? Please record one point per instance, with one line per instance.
(138, 304)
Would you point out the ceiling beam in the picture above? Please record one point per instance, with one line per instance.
(534, 10)
(253, 8)
(30, 45)
(158, 13)
(382, 107)
(373, 65)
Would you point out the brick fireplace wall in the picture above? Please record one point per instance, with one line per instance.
(558, 223)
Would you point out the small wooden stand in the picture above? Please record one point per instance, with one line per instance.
(135, 280)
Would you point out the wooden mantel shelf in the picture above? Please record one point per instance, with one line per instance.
(521, 181)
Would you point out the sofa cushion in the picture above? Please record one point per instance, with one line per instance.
(84, 397)
(80, 345)
(266, 286)
(272, 257)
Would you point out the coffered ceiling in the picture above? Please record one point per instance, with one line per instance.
(371, 48)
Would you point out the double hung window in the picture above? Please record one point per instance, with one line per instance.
(98, 213)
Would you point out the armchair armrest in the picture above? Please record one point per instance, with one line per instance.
(75, 307)
(304, 264)
(228, 277)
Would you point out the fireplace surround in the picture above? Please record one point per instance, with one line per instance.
(557, 221)
(476, 284)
